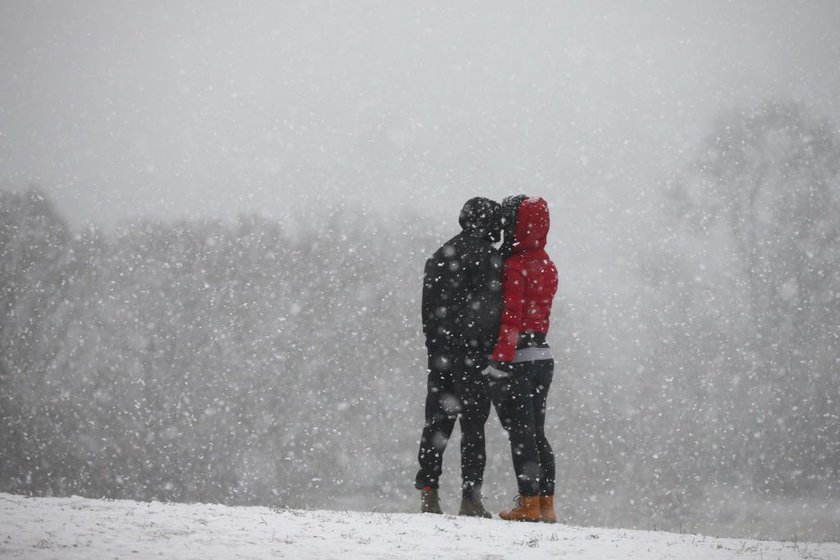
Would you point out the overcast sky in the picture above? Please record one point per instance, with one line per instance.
(174, 109)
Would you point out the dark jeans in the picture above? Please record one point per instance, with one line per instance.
(456, 390)
(520, 401)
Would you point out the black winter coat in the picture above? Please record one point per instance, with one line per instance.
(462, 297)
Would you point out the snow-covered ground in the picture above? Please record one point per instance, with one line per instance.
(75, 527)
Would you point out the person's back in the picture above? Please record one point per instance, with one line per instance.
(461, 296)
(530, 277)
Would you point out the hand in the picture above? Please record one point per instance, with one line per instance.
(498, 370)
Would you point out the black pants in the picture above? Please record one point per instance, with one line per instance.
(456, 390)
(520, 401)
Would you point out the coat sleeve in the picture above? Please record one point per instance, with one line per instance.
(486, 304)
(513, 291)
(427, 305)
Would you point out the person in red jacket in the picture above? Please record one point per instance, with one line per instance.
(522, 364)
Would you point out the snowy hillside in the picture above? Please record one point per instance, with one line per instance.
(70, 528)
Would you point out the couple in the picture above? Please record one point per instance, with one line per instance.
(485, 317)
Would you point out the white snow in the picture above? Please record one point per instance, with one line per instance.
(69, 528)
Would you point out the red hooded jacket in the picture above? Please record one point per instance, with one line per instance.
(529, 280)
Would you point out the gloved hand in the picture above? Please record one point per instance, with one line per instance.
(498, 370)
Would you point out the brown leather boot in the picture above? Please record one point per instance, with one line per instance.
(429, 501)
(527, 509)
(547, 509)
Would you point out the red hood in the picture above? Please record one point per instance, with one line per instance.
(532, 224)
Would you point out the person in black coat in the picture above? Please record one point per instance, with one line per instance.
(461, 306)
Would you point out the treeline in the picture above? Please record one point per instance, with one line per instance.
(732, 390)
(207, 361)
(246, 364)
(755, 332)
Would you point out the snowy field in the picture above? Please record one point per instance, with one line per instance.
(69, 528)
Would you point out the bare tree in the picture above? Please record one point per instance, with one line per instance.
(763, 196)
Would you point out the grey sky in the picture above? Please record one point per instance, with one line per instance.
(172, 109)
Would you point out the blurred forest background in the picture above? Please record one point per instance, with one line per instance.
(248, 362)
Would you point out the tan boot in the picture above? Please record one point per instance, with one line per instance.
(547, 509)
(527, 509)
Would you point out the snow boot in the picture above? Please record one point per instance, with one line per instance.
(471, 505)
(547, 509)
(429, 500)
(527, 509)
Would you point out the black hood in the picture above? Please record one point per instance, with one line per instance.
(510, 214)
(482, 217)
